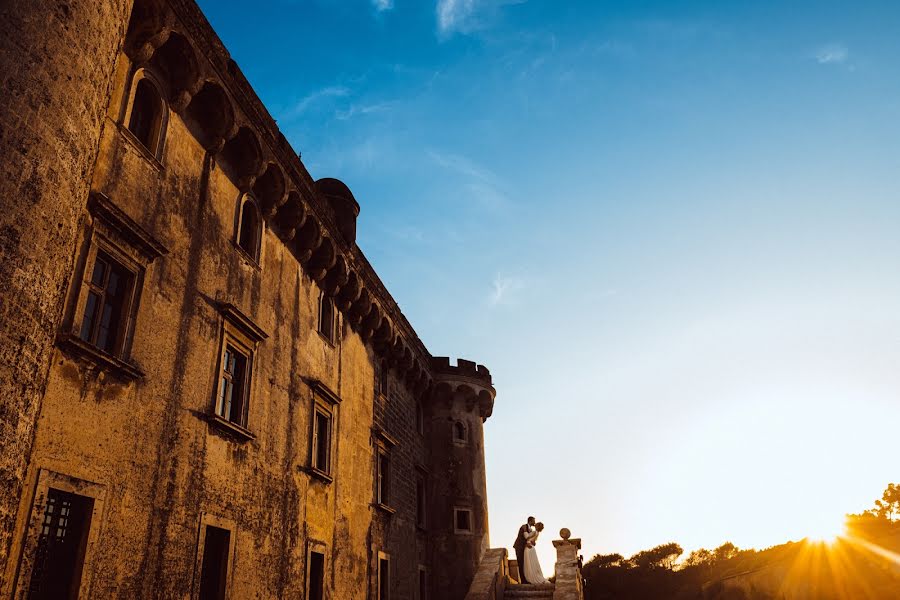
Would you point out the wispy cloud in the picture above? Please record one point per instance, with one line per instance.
(483, 186)
(453, 14)
(363, 109)
(383, 5)
(465, 16)
(462, 165)
(504, 289)
(313, 98)
(832, 54)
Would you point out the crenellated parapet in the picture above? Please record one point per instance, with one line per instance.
(316, 220)
(468, 379)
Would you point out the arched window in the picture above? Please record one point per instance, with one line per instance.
(460, 432)
(147, 113)
(249, 228)
(326, 317)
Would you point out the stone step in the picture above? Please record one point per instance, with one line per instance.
(529, 591)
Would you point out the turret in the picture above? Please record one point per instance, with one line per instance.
(343, 205)
(461, 399)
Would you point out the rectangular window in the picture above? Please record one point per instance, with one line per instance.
(232, 394)
(420, 502)
(59, 558)
(383, 478)
(106, 305)
(103, 302)
(420, 418)
(214, 571)
(323, 429)
(233, 385)
(462, 520)
(383, 379)
(384, 576)
(316, 576)
(322, 442)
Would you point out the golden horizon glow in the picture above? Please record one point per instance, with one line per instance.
(828, 532)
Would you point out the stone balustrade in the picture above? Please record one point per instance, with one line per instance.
(491, 577)
(569, 584)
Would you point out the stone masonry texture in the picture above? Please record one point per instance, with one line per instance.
(135, 428)
(57, 61)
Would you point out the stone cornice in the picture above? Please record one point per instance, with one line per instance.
(303, 215)
(199, 28)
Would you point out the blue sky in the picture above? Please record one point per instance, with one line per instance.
(670, 229)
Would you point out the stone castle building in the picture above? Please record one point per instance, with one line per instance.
(205, 389)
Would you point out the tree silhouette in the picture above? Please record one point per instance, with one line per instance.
(848, 569)
(660, 557)
(726, 551)
(602, 561)
(889, 505)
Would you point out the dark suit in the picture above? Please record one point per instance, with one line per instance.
(519, 547)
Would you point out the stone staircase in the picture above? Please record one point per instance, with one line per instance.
(494, 581)
(529, 591)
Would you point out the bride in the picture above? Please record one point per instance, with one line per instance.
(532, 568)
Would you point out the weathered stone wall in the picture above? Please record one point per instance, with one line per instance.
(149, 443)
(56, 64)
(395, 414)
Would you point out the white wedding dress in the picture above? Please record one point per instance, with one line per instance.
(532, 568)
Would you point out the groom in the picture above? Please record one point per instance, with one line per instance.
(519, 547)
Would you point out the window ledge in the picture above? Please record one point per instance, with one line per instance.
(118, 220)
(140, 147)
(318, 474)
(241, 433)
(248, 258)
(324, 391)
(384, 437)
(82, 349)
(384, 508)
(327, 339)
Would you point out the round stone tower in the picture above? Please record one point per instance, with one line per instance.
(57, 61)
(461, 400)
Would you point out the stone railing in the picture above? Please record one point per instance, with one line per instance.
(490, 578)
(493, 576)
(569, 584)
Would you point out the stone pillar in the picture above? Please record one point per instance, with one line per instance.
(569, 584)
(462, 399)
(57, 60)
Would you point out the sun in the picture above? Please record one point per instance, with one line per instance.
(827, 532)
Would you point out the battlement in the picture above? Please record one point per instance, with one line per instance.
(440, 365)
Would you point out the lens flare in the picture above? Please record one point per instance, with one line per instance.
(827, 532)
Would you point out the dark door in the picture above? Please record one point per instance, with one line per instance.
(316, 576)
(214, 572)
(59, 558)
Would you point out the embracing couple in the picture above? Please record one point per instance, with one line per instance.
(526, 555)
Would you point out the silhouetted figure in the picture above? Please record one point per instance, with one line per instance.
(519, 547)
